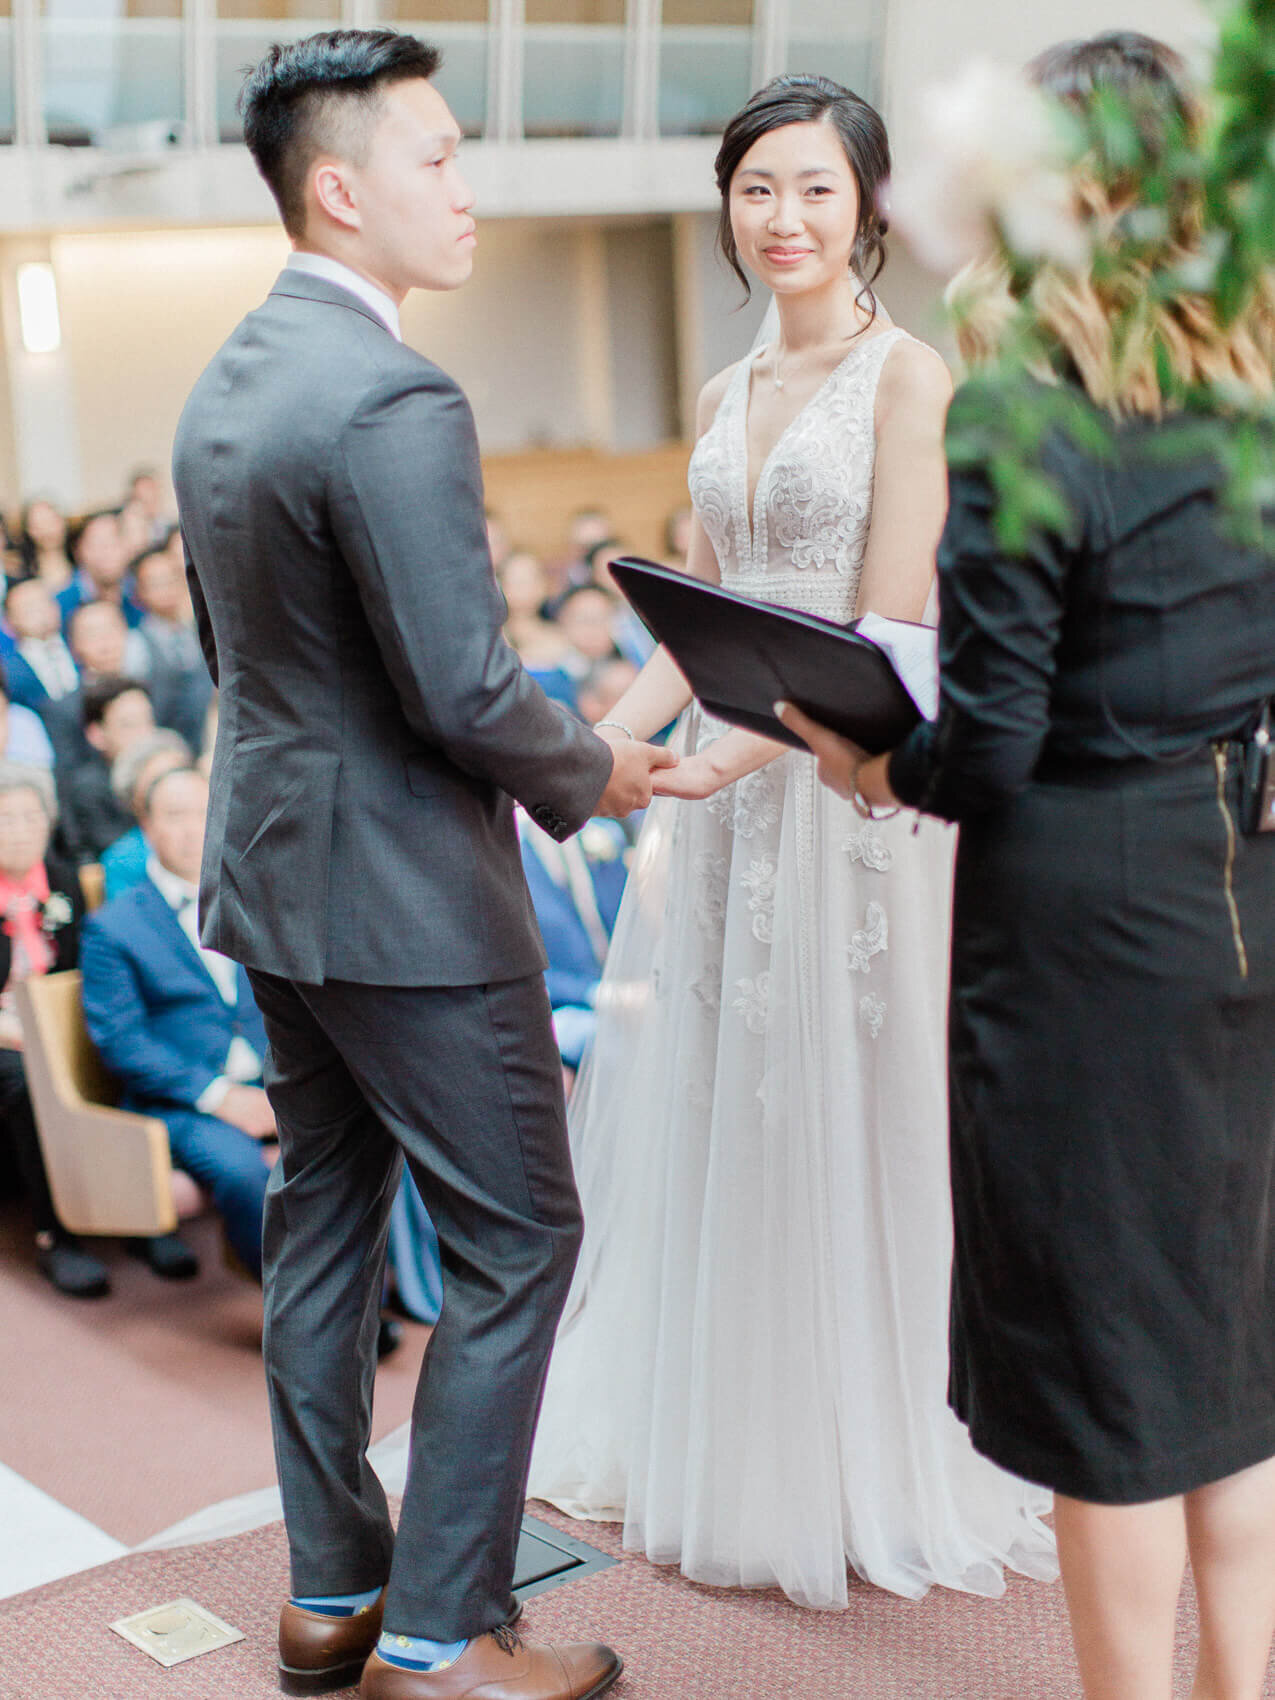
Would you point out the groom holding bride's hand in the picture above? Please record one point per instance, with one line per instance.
(362, 861)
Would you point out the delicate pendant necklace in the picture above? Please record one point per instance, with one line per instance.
(777, 377)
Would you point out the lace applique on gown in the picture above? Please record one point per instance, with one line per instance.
(752, 1367)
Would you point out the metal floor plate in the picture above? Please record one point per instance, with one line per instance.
(547, 1558)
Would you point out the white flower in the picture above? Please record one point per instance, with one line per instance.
(992, 157)
(868, 846)
(759, 879)
(753, 1003)
(57, 911)
(872, 1014)
(599, 842)
(871, 939)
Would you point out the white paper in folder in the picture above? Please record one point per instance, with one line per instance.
(914, 655)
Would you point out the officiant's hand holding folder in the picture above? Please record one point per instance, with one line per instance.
(871, 681)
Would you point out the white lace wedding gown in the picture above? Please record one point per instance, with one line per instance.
(752, 1366)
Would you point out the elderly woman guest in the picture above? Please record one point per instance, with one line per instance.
(40, 913)
(1112, 1069)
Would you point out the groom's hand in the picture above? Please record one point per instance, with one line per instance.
(629, 786)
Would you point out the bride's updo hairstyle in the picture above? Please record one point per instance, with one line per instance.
(800, 99)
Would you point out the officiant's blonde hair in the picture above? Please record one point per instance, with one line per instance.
(1081, 311)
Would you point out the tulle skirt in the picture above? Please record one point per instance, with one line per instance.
(751, 1370)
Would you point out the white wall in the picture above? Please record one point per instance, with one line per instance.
(143, 312)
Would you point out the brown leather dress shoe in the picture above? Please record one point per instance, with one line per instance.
(318, 1653)
(500, 1666)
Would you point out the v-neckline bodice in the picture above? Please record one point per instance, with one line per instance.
(747, 366)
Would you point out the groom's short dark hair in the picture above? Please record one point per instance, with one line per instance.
(322, 95)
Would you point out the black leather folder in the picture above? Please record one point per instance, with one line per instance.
(741, 656)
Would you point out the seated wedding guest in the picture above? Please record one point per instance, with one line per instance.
(575, 887)
(23, 738)
(132, 775)
(99, 551)
(602, 687)
(42, 550)
(146, 495)
(587, 527)
(631, 636)
(115, 714)
(208, 741)
(39, 668)
(174, 663)
(102, 647)
(41, 909)
(586, 615)
(413, 1271)
(135, 536)
(677, 537)
(177, 1024)
(541, 644)
(498, 545)
(1103, 688)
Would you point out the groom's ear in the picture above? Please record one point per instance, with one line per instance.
(333, 194)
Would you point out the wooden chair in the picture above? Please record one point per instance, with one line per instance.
(93, 885)
(109, 1170)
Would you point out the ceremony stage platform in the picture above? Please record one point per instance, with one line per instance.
(131, 1414)
(680, 1641)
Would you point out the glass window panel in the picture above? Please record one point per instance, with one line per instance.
(575, 11)
(434, 11)
(311, 15)
(104, 69)
(852, 63)
(241, 44)
(702, 14)
(459, 28)
(573, 82)
(705, 77)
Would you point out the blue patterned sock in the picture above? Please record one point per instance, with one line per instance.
(414, 1652)
(338, 1605)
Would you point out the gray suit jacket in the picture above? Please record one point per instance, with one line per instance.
(374, 724)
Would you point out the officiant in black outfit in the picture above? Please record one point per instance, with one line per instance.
(1112, 1070)
(361, 860)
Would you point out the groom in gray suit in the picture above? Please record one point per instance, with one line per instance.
(361, 860)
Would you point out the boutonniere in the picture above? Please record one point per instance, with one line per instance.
(599, 843)
(56, 912)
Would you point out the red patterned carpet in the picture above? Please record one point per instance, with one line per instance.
(681, 1642)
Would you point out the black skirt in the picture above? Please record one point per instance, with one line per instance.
(1113, 1134)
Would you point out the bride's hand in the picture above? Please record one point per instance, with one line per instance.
(693, 779)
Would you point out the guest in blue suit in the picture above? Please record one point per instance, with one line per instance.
(576, 889)
(177, 1024)
(100, 553)
(38, 666)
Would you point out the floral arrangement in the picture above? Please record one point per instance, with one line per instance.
(1164, 220)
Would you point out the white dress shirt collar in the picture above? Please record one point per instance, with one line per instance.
(376, 300)
(175, 891)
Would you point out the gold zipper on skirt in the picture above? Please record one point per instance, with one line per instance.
(1228, 876)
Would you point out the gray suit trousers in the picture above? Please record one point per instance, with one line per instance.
(465, 1084)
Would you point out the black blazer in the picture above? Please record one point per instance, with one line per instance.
(1144, 630)
(374, 724)
(64, 936)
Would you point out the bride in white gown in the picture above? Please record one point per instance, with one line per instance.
(751, 1370)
